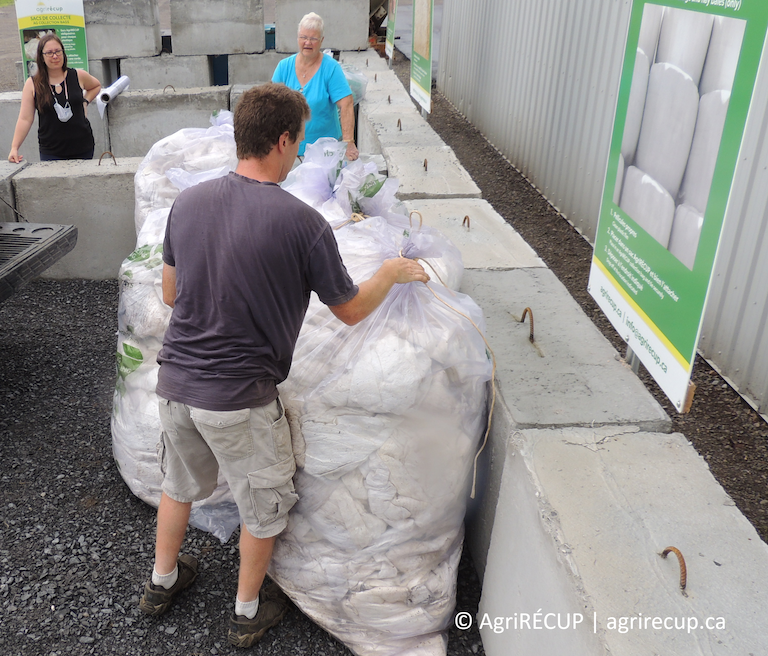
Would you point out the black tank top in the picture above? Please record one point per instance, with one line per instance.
(73, 138)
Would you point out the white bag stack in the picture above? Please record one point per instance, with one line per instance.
(686, 231)
(143, 317)
(389, 433)
(723, 55)
(684, 40)
(671, 106)
(697, 182)
(649, 204)
(635, 106)
(650, 27)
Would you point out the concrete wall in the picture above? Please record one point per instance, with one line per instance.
(10, 103)
(7, 171)
(346, 23)
(98, 199)
(177, 70)
(138, 119)
(202, 27)
(122, 28)
(254, 69)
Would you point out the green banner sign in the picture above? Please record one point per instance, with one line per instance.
(421, 53)
(389, 44)
(686, 87)
(64, 17)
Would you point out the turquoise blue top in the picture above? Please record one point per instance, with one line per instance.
(323, 91)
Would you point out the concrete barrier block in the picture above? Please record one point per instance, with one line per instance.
(346, 23)
(368, 61)
(138, 119)
(201, 27)
(98, 199)
(122, 28)
(7, 197)
(254, 69)
(570, 375)
(10, 103)
(179, 71)
(443, 176)
(583, 516)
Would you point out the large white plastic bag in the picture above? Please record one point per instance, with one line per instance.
(136, 429)
(390, 430)
(189, 149)
(357, 81)
(327, 153)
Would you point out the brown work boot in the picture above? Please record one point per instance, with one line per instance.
(157, 599)
(273, 605)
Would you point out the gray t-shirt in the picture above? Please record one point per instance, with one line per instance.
(247, 255)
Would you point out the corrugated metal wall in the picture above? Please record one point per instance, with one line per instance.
(540, 81)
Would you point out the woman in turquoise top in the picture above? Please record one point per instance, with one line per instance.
(323, 84)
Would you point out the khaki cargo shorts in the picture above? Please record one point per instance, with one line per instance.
(251, 447)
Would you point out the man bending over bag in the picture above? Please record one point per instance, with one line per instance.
(241, 257)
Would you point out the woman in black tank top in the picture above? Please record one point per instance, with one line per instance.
(60, 95)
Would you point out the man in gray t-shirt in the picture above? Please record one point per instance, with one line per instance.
(241, 257)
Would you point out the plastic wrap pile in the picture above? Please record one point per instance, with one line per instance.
(172, 164)
(386, 416)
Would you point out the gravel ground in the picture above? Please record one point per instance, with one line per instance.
(76, 545)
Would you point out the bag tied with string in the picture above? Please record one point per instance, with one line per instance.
(386, 439)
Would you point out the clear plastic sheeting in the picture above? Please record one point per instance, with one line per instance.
(386, 441)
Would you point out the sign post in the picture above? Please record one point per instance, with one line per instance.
(389, 44)
(686, 86)
(421, 53)
(65, 18)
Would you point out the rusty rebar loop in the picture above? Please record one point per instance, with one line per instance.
(375, 77)
(465, 222)
(681, 560)
(425, 163)
(169, 85)
(528, 312)
(389, 99)
(107, 152)
(400, 124)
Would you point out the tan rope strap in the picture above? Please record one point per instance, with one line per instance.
(429, 264)
(421, 218)
(355, 218)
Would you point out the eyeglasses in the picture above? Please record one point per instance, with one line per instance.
(52, 53)
(311, 39)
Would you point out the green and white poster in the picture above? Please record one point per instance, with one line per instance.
(63, 17)
(389, 44)
(686, 86)
(421, 53)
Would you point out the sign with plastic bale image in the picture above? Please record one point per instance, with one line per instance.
(389, 45)
(686, 87)
(65, 18)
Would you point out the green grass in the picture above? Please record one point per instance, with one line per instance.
(5, 3)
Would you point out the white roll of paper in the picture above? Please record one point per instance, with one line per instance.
(723, 55)
(697, 181)
(649, 30)
(686, 231)
(684, 40)
(649, 204)
(635, 106)
(671, 106)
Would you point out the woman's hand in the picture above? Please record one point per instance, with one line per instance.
(14, 156)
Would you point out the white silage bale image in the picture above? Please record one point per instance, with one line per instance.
(671, 107)
(650, 27)
(713, 109)
(723, 55)
(619, 180)
(686, 231)
(635, 106)
(649, 204)
(684, 40)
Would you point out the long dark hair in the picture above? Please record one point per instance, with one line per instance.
(43, 95)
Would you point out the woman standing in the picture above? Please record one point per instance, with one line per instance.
(323, 84)
(60, 95)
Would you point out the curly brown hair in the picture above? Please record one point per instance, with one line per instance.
(43, 95)
(263, 114)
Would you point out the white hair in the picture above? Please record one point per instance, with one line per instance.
(311, 21)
